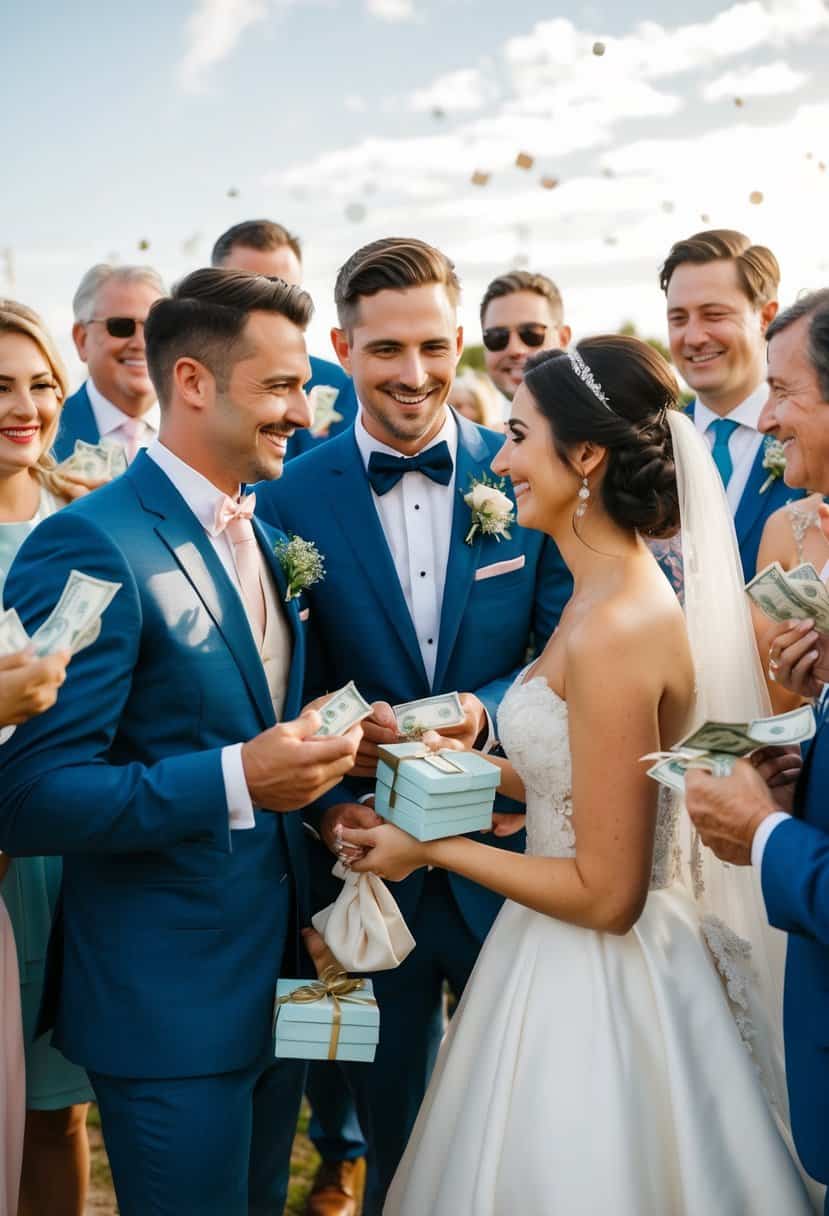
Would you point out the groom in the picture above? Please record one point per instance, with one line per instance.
(156, 773)
(411, 604)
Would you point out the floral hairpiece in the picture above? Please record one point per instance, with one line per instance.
(587, 378)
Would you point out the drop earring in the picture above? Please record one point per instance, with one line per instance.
(584, 495)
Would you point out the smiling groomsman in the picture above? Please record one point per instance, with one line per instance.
(411, 604)
(721, 296)
(117, 401)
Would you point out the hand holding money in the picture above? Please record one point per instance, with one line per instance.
(727, 811)
(91, 465)
(29, 685)
(291, 765)
(791, 595)
(73, 623)
(799, 658)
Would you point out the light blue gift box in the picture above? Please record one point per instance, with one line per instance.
(435, 794)
(318, 1026)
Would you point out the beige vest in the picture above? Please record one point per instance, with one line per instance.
(277, 644)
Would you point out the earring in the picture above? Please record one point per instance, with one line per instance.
(584, 495)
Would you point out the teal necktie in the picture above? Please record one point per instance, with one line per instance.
(723, 429)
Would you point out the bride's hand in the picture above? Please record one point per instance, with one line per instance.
(389, 852)
(441, 743)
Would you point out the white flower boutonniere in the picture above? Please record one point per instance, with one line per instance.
(492, 510)
(774, 460)
(302, 564)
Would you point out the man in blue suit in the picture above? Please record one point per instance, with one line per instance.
(264, 247)
(740, 817)
(415, 601)
(118, 400)
(157, 773)
(721, 297)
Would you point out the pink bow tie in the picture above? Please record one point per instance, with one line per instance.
(228, 510)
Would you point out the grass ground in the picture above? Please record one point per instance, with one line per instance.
(304, 1161)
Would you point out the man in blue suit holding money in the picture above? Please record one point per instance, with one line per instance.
(265, 247)
(167, 771)
(416, 600)
(741, 818)
(721, 297)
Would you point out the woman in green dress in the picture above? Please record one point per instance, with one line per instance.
(33, 386)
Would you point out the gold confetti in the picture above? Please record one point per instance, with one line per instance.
(480, 178)
(756, 197)
(143, 244)
(599, 48)
(738, 101)
(549, 183)
(524, 161)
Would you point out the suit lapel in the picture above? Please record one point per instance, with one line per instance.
(352, 505)
(473, 459)
(267, 538)
(189, 545)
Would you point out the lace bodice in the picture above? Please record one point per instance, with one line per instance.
(533, 728)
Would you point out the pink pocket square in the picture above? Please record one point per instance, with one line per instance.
(514, 563)
(304, 613)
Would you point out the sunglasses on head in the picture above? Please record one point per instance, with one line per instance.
(497, 338)
(118, 327)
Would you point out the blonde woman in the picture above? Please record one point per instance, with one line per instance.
(33, 386)
(792, 535)
(476, 397)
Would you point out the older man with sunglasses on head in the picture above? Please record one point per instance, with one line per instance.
(521, 313)
(117, 401)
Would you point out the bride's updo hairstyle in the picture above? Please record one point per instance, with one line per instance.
(639, 488)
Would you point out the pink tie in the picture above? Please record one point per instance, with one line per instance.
(234, 518)
(133, 429)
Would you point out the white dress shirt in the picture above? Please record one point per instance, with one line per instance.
(761, 836)
(110, 420)
(416, 517)
(201, 496)
(743, 444)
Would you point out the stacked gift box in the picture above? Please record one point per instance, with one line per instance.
(435, 794)
(333, 1018)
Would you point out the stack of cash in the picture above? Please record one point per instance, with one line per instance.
(73, 623)
(414, 718)
(321, 400)
(715, 746)
(791, 595)
(95, 461)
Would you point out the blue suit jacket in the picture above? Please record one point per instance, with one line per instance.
(77, 421)
(173, 928)
(360, 626)
(795, 878)
(755, 508)
(325, 372)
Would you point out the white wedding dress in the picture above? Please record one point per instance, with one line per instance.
(586, 1073)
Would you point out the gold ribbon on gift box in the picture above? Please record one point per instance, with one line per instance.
(335, 984)
(438, 760)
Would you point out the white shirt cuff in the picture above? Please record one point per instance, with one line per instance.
(239, 805)
(491, 737)
(761, 836)
(6, 733)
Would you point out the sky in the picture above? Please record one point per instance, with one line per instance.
(349, 120)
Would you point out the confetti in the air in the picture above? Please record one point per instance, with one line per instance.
(756, 197)
(738, 101)
(599, 48)
(143, 244)
(480, 178)
(524, 161)
(549, 183)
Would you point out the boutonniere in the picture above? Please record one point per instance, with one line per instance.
(774, 460)
(321, 400)
(491, 509)
(302, 565)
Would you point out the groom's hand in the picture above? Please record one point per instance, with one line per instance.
(286, 767)
(727, 811)
(379, 730)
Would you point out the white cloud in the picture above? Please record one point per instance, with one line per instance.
(766, 80)
(213, 30)
(391, 10)
(466, 89)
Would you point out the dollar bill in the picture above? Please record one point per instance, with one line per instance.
(82, 601)
(671, 769)
(792, 596)
(429, 713)
(117, 457)
(321, 399)
(796, 726)
(343, 710)
(89, 461)
(13, 637)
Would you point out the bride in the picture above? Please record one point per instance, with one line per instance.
(610, 1052)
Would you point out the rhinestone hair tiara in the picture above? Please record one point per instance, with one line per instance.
(587, 378)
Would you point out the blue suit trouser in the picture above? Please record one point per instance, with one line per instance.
(389, 1092)
(202, 1146)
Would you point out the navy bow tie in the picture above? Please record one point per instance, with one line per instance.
(384, 471)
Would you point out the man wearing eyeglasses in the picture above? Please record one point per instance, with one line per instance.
(521, 313)
(117, 402)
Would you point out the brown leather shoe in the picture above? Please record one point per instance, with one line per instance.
(338, 1189)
